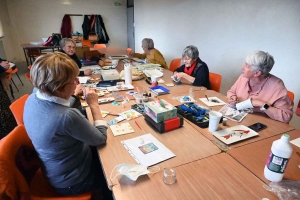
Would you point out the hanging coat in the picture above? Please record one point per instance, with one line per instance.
(98, 28)
(66, 27)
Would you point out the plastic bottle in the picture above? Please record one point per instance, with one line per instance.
(191, 93)
(281, 151)
(128, 74)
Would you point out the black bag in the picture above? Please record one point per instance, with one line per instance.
(56, 37)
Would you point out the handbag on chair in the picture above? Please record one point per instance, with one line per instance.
(93, 36)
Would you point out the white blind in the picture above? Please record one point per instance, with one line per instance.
(1, 30)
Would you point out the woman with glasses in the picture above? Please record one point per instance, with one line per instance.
(267, 92)
(194, 70)
(61, 135)
(68, 46)
(151, 54)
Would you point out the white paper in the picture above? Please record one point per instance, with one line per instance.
(11, 65)
(153, 72)
(147, 159)
(213, 101)
(296, 142)
(121, 129)
(83, 79)
(232, 114)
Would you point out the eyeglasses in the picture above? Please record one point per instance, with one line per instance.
(186, 59)
(71, 47)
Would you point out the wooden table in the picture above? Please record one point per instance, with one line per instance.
(31, 48)
(274, 127)
(186, 143)
(111, 50)
(215, 177)
(254, 157)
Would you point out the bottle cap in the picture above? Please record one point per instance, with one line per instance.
(285, 137)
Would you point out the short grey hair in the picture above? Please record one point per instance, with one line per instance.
(64, 41)
(261, 61)
(148, 43)
(191, 52)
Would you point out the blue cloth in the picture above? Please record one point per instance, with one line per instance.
(61, 136)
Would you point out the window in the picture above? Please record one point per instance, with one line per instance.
(1, 30)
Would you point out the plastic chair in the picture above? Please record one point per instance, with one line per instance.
(215, 81)
(20, 173)
(128, 50)
(27, 76)
(291, 95)
(175, 63)
(17, 108)
(87, 43)
(98, 46)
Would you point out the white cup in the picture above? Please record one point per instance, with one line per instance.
(214, 120)
(154, 79)
(244, 105)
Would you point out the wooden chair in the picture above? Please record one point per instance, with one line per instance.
(87, 43)
(20, 173)
(291, 95)
(17, 108)
(175, 63)
(98, 46)
(215, 81)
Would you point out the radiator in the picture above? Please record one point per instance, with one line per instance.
(2, 52)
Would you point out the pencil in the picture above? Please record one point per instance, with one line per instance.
(138, 125)
(207, 98)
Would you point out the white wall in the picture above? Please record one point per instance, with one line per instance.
(225, 32)
(31, 20)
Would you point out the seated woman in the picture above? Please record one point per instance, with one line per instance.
(62, 135)
(151, 54)
(266, 91)
(7, 120)
(68, 46)
(194, 69)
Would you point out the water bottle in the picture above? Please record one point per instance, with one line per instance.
(279, 156)
(128, 74)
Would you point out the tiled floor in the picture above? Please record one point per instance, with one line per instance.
(27, 88)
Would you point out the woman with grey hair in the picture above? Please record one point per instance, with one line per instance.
(194, 69)
(266, 92)
(151, 54)
(68, 46)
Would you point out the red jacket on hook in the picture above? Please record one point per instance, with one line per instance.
(66, 27)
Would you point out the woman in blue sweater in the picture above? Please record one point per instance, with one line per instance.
(61, 135)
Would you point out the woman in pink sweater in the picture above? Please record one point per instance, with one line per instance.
(267, 92)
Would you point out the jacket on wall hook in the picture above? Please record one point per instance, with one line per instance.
(98, 27)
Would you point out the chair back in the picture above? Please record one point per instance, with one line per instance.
(128, 50)
(17, 108)
(215, 81)
(98, 46)
(291, 95)
(175, 63)
(13, 183)
(87, 43)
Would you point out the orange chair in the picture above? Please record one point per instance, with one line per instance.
(27, 75)
(17, 108)
(215, 81)
(98, 46)
(9, 74)
(291, 95)
(20, 173)
(128, 50)
(87, 43)
(175, 63)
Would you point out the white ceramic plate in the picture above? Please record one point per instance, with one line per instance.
(231, 135)
(106, 67)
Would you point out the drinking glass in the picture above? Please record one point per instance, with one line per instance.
(169, 176)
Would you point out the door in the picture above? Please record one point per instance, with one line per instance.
(130, 27)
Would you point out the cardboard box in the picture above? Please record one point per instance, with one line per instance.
(160, 110)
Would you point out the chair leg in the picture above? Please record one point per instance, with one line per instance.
(14, 84)
(11, 91)
(19, 78)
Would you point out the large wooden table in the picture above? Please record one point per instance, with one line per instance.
(202, 172)
(254, 157)
(216, 177)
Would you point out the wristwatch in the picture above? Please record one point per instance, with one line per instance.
(265, 107)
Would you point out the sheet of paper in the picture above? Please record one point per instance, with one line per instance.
(104, 113)
(296, 142)
(83, 79)
(147, 150)
(232, 114)
(121, 129)
(11, 65)
(130, 114)
(213, 101)
(170, 84)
